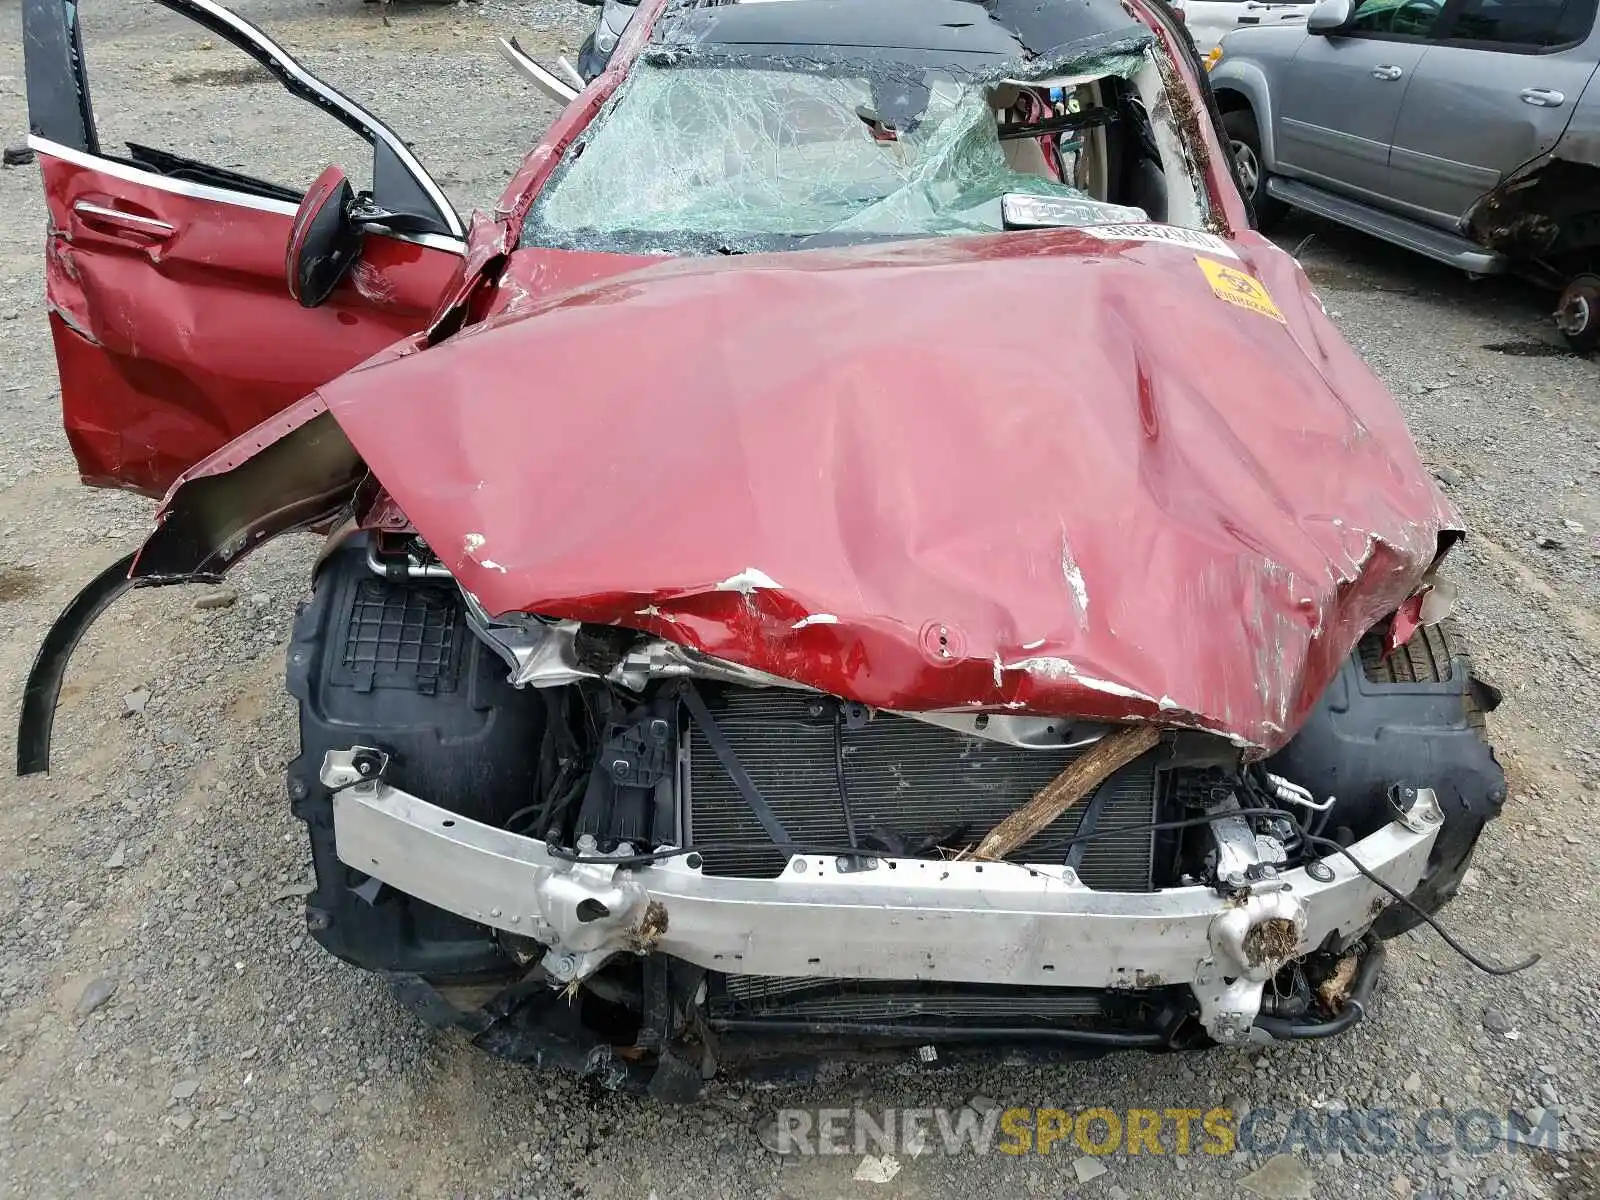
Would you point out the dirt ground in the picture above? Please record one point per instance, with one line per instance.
(167, 1029)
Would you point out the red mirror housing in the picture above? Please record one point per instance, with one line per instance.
(323, 241)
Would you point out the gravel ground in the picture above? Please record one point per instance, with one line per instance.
(167, 1029)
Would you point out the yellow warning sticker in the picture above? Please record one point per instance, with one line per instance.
(1234, 286)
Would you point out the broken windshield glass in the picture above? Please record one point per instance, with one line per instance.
(733, 155)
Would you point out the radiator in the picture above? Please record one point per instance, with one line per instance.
(904, 777)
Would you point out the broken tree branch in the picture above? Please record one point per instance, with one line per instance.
(1080, 777)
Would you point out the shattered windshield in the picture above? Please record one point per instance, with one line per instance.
(746, 155)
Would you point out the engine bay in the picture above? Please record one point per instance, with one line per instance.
(616, 755)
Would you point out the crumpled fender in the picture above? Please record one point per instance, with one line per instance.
(43, 688)
(295, 471)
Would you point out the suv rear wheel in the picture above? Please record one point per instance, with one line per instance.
(1578, 313)
(1244, 142)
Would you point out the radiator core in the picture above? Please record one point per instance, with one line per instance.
(904, 777)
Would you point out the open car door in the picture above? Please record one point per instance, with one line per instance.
(165, 276)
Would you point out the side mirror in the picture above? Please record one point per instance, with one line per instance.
(324, 241)
(1330, 15)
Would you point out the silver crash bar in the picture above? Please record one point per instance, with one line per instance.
(878, 918)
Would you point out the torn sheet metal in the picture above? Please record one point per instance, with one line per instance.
(1039, 473)
(295, 470)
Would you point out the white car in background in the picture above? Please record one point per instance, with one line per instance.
(1208, 20)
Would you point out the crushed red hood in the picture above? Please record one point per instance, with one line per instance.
(1034, 472)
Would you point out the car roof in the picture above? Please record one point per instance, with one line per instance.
(997, 30)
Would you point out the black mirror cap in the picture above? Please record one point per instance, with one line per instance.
(324, 243)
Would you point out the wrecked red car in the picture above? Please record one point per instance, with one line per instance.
(864, 546)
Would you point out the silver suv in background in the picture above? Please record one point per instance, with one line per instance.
(1465, 130)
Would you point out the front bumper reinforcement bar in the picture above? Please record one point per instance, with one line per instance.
(839, 917)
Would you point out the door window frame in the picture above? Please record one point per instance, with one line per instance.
(1444, 24)
(1452, 13)
(61, 118)
(1429, 38)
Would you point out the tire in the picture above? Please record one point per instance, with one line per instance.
(1430, 656)
(1578, 313)
(1427, 658)
(1244, 141)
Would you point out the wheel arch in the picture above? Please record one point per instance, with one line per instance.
(1241, 86)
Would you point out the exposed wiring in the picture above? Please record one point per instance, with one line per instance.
(1486, 967)
(511, 821)
(370, 766)
(1267, 789)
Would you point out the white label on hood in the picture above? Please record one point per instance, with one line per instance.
(1192, 239)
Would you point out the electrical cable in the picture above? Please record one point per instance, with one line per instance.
(1486, 967)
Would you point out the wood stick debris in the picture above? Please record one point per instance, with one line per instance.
(1080, 777)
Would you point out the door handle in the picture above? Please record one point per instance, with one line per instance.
(1542, 97)
(114, 221)
(1387, 72)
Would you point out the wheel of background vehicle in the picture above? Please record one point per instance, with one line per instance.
(1244, 140)
(1578, 313)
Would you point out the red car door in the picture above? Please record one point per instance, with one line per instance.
(173, 326)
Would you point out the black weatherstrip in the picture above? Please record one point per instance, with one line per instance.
(58, 88)
(50, 664)
(1088, 823)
